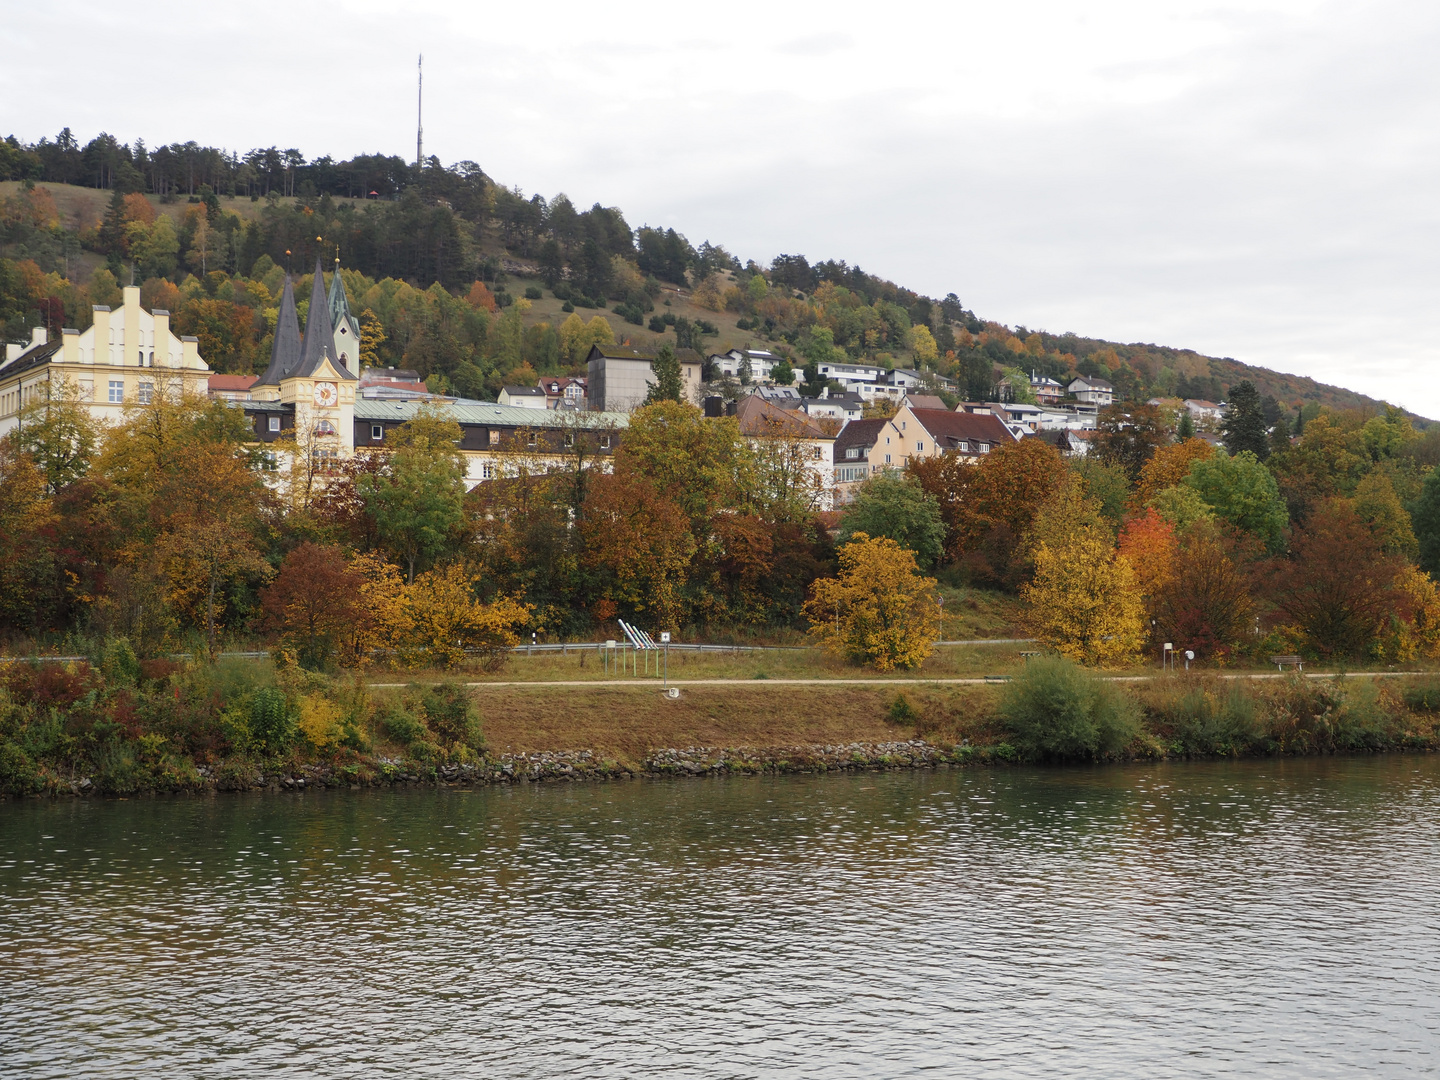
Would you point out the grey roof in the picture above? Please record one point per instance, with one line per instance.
(525, 391)
(494, 415)
(339, 305)
(285, 352)
(32, 358)
(862, 433)
(319, 332)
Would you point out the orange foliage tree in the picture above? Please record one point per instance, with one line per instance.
(1168, 467)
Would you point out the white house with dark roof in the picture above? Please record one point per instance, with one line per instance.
(1096, 392)
(523, 397)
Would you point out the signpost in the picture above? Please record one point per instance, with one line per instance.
(665, 640)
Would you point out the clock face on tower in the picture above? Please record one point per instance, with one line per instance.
(326, 394)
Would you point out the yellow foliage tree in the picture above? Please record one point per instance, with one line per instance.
(1084, 601)
(1167, 467)
(598, 332)
(319, 721)
(879, 610)
(574, 342)
(446, 619)
(385, 618)
(708, 295)
(923, 345)
(1419, 632)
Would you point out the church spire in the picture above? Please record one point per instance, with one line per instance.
(285, 352)
(319, 331)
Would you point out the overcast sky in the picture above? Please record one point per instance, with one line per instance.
(1253, 180)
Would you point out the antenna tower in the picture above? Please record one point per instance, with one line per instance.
(419, 103)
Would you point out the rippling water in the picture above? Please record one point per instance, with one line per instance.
(1254, 919)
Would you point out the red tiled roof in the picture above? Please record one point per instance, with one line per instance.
(232, 382)
(759, 418)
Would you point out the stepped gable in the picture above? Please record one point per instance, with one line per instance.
(285, 352)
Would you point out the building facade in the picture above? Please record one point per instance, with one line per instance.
(123, 359)
(619, 377)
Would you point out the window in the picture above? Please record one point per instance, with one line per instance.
(494, 437)
(816, 453)
(902, 425)
(569, 438)
(325, 427)
(377, 432)
(487, 471)
(147, 392)
(274, 424)
(604, 442)
(117, 392)
(887, 459)
(919, 446)
(983, 447)
(269, 462)
(852, 452)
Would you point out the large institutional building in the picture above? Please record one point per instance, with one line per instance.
(124, 359)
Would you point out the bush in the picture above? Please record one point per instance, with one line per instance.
(118, 663)
(400, 723)
(630, 314)
(1055, 710)
(1422, 695)
(1363, 722)
(1209, 722)
(532, 292)
(272, 727)
(902, 712)
(18, 775)
(657, 324)
(451, 715)
(562, 291)
(567, 306)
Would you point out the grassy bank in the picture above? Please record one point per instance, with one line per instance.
(118, 727)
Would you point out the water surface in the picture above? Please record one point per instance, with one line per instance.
(1250, 919)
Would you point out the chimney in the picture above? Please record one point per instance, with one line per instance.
(39, 336)
(70, 344)
(714, 406)
(190, 351)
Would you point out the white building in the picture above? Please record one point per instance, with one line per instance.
(523, 397)
(1095, 392)
(124, 358)
(619, 377)
(753, 364)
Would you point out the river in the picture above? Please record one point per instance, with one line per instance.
(1276, 918)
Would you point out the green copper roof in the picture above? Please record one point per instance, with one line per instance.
(496, 415)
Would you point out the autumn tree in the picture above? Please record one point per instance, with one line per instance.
(1129, 436)
(1169, 465)
(1337, 583)
(447, 619)
(1149, 543)
(1205, 605)
(372, 340)
(56, 430)
(1084, 601)
(879, 610)
(313, 603)
(639, 541)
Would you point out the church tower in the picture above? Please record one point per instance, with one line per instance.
(347, 327)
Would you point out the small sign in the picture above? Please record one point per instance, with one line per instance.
(1169, 646)
(664, 637)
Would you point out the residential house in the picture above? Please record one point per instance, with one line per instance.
(619, 377)
(845, 406)
(796, 455)
(564, 392)
(1046, 390)
(124, 358)
(523, 397)
(1205, 412)
(392, 384)
(1092, 391)
(752, 364)
(925, 401)
(853, 451)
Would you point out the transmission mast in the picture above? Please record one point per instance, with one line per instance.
(419, 112)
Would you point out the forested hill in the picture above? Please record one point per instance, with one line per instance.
(525, 284)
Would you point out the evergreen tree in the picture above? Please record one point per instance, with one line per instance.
(1186, 427)
(1244, 421)
(667, 385)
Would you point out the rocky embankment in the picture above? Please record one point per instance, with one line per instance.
(573, 765)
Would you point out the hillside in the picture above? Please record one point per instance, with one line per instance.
(455, 227)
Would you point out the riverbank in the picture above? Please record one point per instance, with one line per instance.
(242, 726)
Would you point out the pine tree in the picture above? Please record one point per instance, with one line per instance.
(667, 385)
(1186, 428)
(1244, 421)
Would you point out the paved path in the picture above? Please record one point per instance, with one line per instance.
(653, 683)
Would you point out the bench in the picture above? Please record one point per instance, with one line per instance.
(1281, 661)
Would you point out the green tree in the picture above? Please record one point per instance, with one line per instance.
(58, 433)
(1425, 519)
(552, 264)
(1186, 428)
(897, 507)
(1244, 422)
(782, 374)
(1240, 489)
(418, 500)
(667, 385)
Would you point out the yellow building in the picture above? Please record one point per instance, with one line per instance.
(124, 358)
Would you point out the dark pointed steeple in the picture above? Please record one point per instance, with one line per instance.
(285, 352)
(319, 330)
